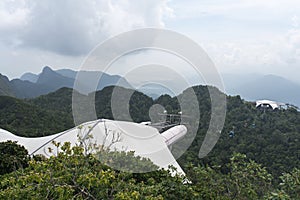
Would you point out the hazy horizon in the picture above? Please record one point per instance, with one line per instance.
(223, 74)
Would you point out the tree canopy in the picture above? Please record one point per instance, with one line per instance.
(73, 174)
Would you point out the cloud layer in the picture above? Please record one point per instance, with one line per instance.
(248, 36)
(240, 36)
(74, 27)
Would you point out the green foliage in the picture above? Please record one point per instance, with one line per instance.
(270, 138)
(25, 119)
(125, 161)
(12, 157)
(61, 100)
(289, 188)
(246, 180)
(139, 104)
(170, 104)
(5, 87)
(74, 175)
(52, 113)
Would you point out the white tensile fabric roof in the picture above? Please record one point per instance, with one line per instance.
(273, 104)
(144, 140)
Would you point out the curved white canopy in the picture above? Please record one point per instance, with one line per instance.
(144, 140)
(273, 104)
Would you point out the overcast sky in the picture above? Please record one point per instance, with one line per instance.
(241, 36)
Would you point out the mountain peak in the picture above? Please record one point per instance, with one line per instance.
(47, 69)
(29, 77)
(3, 77)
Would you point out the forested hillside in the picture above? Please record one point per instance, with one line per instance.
(73, 174)
(5, 88)
(52, 113)
(26, 119)
(270, 138)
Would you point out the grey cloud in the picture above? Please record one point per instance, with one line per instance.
(74, 27)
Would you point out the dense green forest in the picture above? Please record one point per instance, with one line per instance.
(52, 113)
(270, 138)
(73, 174)
(26, 119)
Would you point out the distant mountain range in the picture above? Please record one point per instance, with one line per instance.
(254, 87)
(249, 86)
(32, 85)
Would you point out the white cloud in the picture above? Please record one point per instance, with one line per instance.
(291, 42)
(244, 36)
(73, 27)
(10, 20)
(277, 55)
(295, 21)
(239, 35)
(239, 9)
(13, 18)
